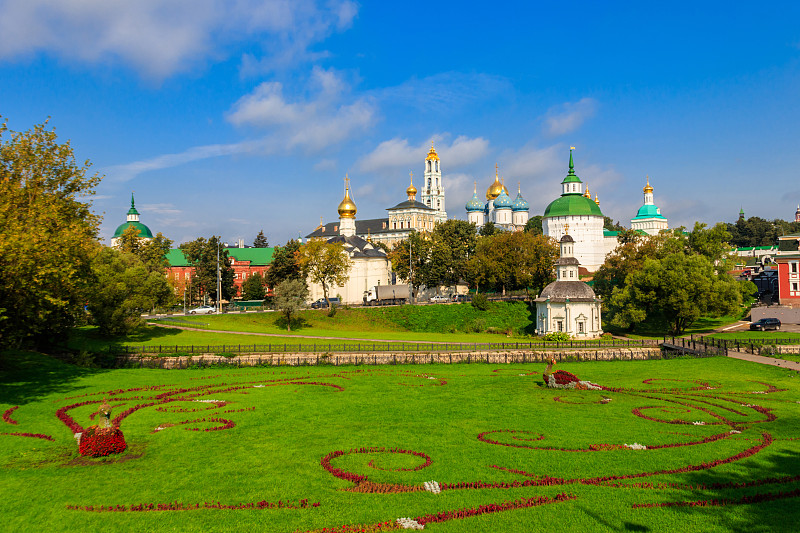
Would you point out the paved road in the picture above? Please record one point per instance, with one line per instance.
(792, 365)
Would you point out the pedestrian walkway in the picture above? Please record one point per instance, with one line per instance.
(791, 365)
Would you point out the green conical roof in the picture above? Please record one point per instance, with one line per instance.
(132, 210)
(571, 176)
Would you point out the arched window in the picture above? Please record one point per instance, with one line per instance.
(429, 166)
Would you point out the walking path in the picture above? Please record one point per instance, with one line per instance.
(284, 335)
(791, 365)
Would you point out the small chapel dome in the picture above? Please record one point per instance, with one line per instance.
(647, 188)
(347, 208)
(520, 203)
(432, 155)
(503, 201)
(474, 204)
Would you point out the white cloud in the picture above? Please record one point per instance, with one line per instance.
(397, 153)
(160, 209)
(325, 165)
(128, 171)
(160, 38)
(446, 91)
(568, 117)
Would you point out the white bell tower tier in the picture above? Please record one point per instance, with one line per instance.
(432, 186)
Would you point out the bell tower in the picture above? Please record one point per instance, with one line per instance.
(432, 187)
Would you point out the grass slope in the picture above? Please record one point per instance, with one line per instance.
(285, 428)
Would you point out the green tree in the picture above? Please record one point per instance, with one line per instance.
(489, 229)
(326, 263)
(254, 287)
(201, 254)
(411, 269)
(680, 288)
(515, 260)
(629, 256)
(260, 240)
(459, 238)
(284, 264)
(47, 236)
(608, 223)
(124, 287)
(290, 298)
(152, 252)
(534, 225)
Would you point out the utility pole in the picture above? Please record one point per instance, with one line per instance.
(219, 282)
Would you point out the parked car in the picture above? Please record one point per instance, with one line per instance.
(764, 324)
(462, 298)
(439, 298)
(322, 304)
(202, 310)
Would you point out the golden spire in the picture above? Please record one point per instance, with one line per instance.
(411, 191)
(519, 187)
(587, 194)
(596, 200)
(648, 188)
(475, 189)
(347, 208)
(369, 235)
(432, 155)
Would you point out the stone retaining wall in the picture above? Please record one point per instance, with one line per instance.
(388, 358)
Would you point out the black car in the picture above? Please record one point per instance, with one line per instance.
(764, 324)
(322, 304)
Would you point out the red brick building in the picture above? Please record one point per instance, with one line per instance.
(245, 263)
(788, 260)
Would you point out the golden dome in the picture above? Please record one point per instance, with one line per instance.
(586, 193)
(347, 208)
(596, 200)
(432, 155)
(411, 191)
(495, 188)
(648, 188)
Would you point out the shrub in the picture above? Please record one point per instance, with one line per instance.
(332, 311)
(557, 336)
(480, 301)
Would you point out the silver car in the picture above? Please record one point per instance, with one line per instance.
(202, 310)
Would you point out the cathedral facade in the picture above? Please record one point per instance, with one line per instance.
(499, 208)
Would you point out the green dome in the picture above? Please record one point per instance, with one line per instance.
(648, 211)
(144, 231)
(572, 204)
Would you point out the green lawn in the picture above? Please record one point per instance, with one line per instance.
(491, 432)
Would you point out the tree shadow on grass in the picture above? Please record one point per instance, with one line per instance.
(28, 376)
(297, 323)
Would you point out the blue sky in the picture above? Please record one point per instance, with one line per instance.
(226, 117)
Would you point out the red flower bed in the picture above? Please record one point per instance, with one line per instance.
(521, 503)
(355, 478)
(563, 377)
(99, 442)
(70, 423)
(34, 435)
(534, 436)
(7, 415)
(226, 424)
(180, 506)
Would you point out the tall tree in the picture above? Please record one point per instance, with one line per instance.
(680, 287)
(152, 252)
(610, 225)
(409, 257)
(124, 287)
(514, 260)
(534, 225)
(284, 264)
(459, 238)
(260, 240)
(489, 229)
(254, 287)
(629, 256)
(290, 298)
(201, 254)
(48, 235)
(326, 263)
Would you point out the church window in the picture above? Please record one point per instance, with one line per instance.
(793, 267)
(177, 275)
(559, 325)
(581, 327)
(394, 225)
(437, 166)
(429, 183)
(429, 168)
(186, 275)
(570, 273)
(244, 275)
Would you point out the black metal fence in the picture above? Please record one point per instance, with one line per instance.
(696, 346)
(378, 347)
